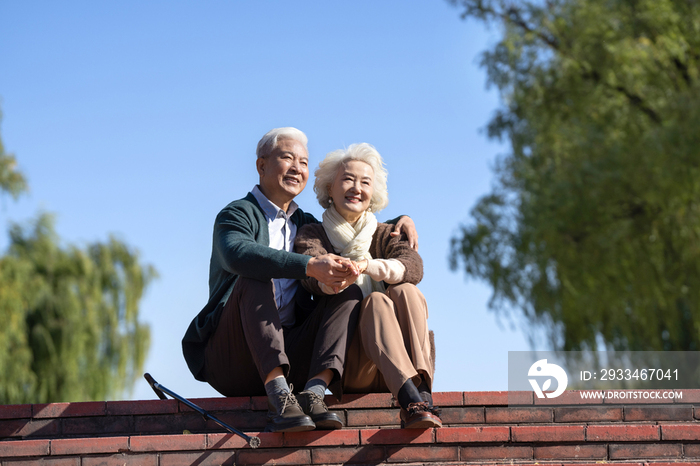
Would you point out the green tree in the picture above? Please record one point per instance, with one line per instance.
(592, 230)
(69, 327)
(11, 179)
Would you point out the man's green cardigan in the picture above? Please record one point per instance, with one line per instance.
(241, 247)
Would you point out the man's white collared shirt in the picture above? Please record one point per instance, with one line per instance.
(282, 232)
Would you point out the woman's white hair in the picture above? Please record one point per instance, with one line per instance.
(328, 169)
(268, 143)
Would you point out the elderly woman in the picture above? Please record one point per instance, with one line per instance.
(391, 349)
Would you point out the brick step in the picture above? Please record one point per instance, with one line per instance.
(456, 445)
(89, 419)
(479, 427)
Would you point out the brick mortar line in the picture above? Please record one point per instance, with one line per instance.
(463, 396)
(660, 426)
(434, 442)
(483, 408)
(645, 461)
(312, 453)
(659, 439)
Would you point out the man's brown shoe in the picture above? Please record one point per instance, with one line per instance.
(420, 416)
(316, 408)
(285, 415)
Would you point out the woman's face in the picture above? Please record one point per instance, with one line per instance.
(352, 189)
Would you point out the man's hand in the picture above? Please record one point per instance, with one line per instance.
(406, 225)
(333, 271)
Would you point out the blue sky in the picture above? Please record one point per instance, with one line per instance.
(141, 119)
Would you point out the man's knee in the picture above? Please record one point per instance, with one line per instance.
(347, 298)
(254, 302)
(250, 286)
(353, 292)
(250, 293)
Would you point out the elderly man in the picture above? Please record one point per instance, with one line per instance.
(259, 328)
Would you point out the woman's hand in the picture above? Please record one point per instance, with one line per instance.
(362, 266)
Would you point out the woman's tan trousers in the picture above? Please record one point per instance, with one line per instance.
(391, 343)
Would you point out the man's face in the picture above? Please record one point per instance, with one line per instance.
(284, 172)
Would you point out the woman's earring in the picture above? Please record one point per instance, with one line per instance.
(330, 201)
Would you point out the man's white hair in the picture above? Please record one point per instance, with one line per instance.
(268, 143)
(328, 169)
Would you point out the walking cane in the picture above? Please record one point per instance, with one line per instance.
(160, 390)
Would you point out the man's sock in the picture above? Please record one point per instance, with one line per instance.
(276, 386)
(317, 386)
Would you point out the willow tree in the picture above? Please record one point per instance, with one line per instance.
(592, 230)
(69, 315)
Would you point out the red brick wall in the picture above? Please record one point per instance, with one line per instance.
(479, 427)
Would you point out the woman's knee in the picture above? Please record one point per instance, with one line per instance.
(376, 304)
(409, 300)
(403, 290)
(376, 300)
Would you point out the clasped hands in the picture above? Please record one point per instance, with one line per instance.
(334, 271)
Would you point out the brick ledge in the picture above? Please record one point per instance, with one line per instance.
(479, 429)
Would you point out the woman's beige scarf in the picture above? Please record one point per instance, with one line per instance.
(353, 242)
